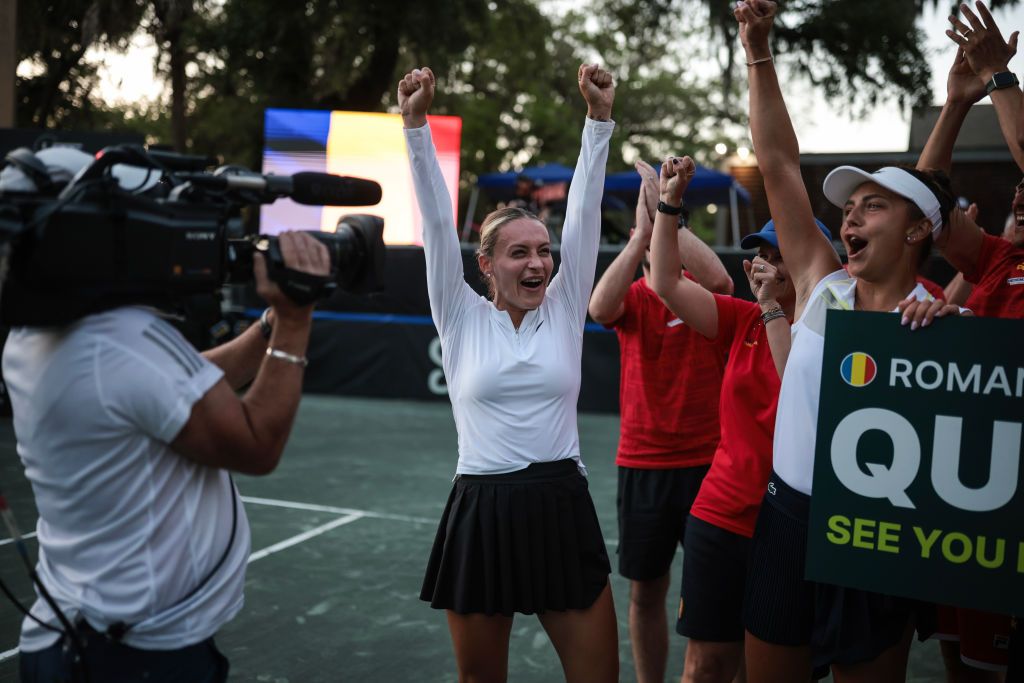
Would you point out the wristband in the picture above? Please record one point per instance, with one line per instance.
(769, 58)
(669, 209)
(301, 361)
(265, 327)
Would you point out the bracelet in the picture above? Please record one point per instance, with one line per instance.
(301, 361)
(265, 327)
(772, 314)
(769, 58)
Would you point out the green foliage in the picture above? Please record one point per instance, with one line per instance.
(53, 38)
(507, 67)
(318, 54)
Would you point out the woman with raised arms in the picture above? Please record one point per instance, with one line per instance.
(889, 219)
(519, 532)
(756, 335)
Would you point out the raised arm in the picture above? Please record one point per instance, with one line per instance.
(961, 242)
(959, 290)
(989, 54)
(446, 285)
(698, 258)
(607, 303)
(703, 263)
(694, 305)
(809, 257)
(581, 234)
(963, 89)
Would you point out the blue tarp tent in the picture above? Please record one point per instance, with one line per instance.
(503, 184)
(707, 187)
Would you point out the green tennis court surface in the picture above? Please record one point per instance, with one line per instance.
(340, 537)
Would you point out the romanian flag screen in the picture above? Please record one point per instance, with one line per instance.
(357, 144)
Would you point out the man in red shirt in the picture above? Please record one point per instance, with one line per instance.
(670, 383)
(995, 266)
(998, 272)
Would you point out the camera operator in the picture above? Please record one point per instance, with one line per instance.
(127, 435)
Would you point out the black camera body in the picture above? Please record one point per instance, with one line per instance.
(96, 245)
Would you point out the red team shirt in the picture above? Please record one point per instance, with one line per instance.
(998, 293)
(998, 280)
(731, 494)
(669, 384)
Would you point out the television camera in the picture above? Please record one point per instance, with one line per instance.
(79, 234)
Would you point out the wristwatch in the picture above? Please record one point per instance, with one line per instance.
(1003, 79)
(669, 209)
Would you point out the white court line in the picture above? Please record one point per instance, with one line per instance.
(7, 541)
(260, 554)
(349, 515)
(336, 510)
(295, 540)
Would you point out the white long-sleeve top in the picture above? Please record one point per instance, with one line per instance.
(513, 392)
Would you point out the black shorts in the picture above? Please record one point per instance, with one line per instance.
(714, 577)
(653, 507)
(526, 541)
(841, 625)
(113, 662)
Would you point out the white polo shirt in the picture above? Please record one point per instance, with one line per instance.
(513, 392)
(127, 528)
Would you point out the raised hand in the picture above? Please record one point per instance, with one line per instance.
(644, 220)
(676, 173)
(764, 282)
(982, 43)
(962, 84)
(756, 18)
(415, 93)
(598, 89)
(649, 183)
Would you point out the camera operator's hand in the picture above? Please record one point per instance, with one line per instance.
(301, 252)
(415, 93)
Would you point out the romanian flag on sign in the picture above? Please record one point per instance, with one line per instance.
(858, 369)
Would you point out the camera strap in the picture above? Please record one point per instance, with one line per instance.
(303, 288)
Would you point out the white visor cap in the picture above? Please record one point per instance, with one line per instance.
(842, 181)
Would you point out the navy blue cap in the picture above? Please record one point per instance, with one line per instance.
(768, 234)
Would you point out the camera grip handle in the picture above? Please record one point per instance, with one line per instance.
(302, 288)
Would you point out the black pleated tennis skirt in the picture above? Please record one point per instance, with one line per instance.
(527, 541)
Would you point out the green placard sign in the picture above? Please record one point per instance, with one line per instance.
(917, 472)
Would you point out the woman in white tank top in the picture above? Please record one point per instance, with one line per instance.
(889, 219)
